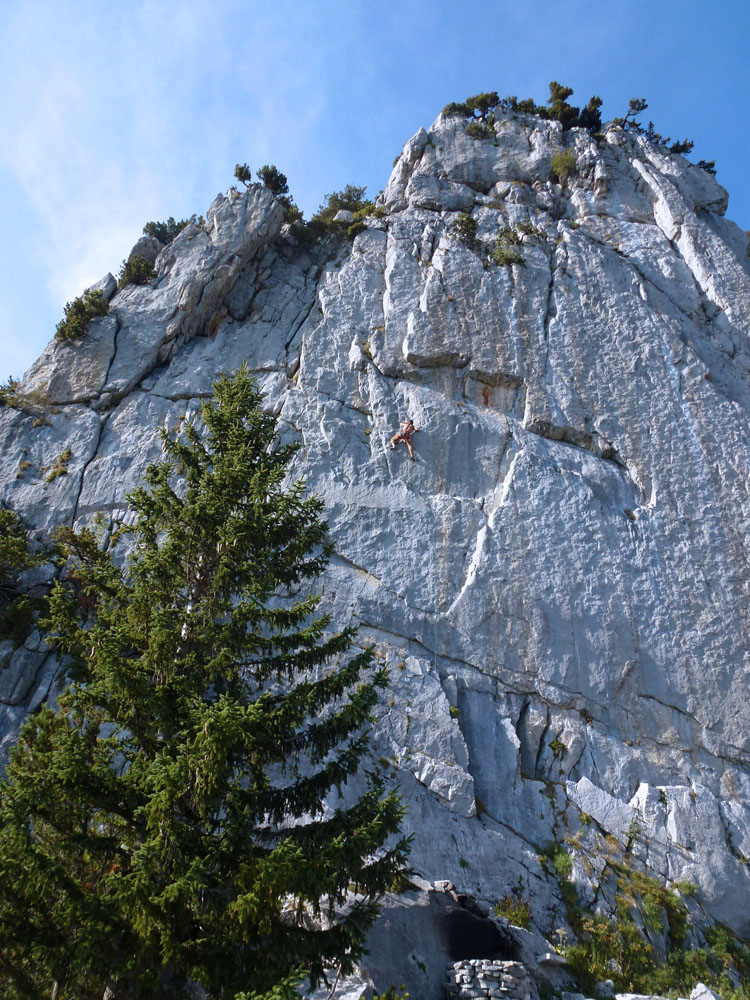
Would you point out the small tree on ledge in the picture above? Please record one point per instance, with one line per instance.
(273, 179)
(243, 173)
(167, 823)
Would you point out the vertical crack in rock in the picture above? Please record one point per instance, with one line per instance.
(87, 463)
(303, 317)
(114, 351)
(550, 311)
(542, 745)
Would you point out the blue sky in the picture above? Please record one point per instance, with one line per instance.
(117, 114)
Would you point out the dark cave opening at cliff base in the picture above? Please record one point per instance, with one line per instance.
(467, 935)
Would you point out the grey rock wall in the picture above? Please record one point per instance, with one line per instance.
(559, 582)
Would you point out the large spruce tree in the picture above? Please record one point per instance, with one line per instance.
(175, 818)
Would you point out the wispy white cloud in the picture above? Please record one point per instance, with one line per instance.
(115, 116)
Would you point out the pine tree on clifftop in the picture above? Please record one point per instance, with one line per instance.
(166, 823)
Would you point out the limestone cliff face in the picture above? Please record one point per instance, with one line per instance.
(560, 580)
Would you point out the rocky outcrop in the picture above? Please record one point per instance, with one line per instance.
(195, 274)
(559, 582)
(482, 979)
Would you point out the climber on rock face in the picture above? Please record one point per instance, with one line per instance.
(407, 429)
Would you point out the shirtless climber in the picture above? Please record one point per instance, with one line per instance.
(407, 429)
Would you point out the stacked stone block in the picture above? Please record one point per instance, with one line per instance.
(484, 978)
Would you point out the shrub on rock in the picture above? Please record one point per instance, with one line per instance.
(165, 232)
(135, 271)
(273, 179)
(464, 228)
(243, 173)
(79, 313)
(562, 165)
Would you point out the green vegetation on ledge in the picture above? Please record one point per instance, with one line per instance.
(481, 111)
(79, 313)
(464, 228)
(504, 252)
(59, 466)
(33, 403)
(483, 106)
(629, 122)
(515, 908)
(322, 225)
(135, 271)
(562, 165)
(643, 947)
(165, 232)
(9, 392)
(274, 181)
